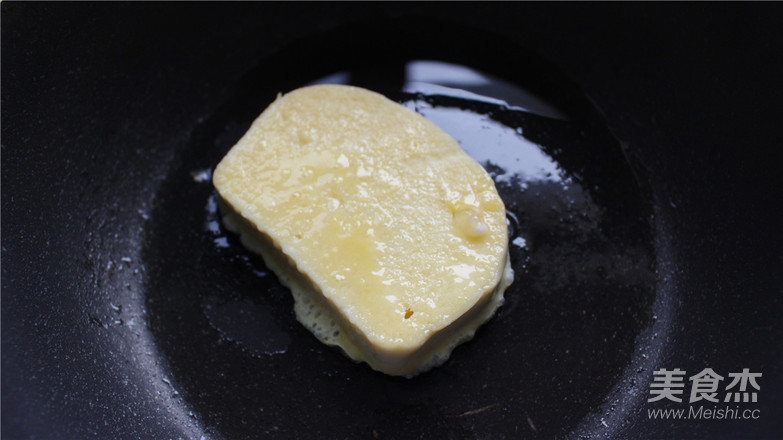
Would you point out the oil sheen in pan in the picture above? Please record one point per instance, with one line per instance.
(580, 245)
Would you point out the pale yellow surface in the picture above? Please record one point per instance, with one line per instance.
(386, 218)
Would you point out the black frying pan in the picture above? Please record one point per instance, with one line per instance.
(641, 241)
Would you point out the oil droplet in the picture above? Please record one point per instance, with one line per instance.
(200, 176)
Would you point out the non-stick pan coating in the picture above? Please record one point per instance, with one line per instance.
(128, 313)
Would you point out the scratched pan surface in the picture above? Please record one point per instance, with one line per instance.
(129, 312)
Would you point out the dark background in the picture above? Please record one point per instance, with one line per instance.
(106, 92)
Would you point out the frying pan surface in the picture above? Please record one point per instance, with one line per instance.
(129, 313)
